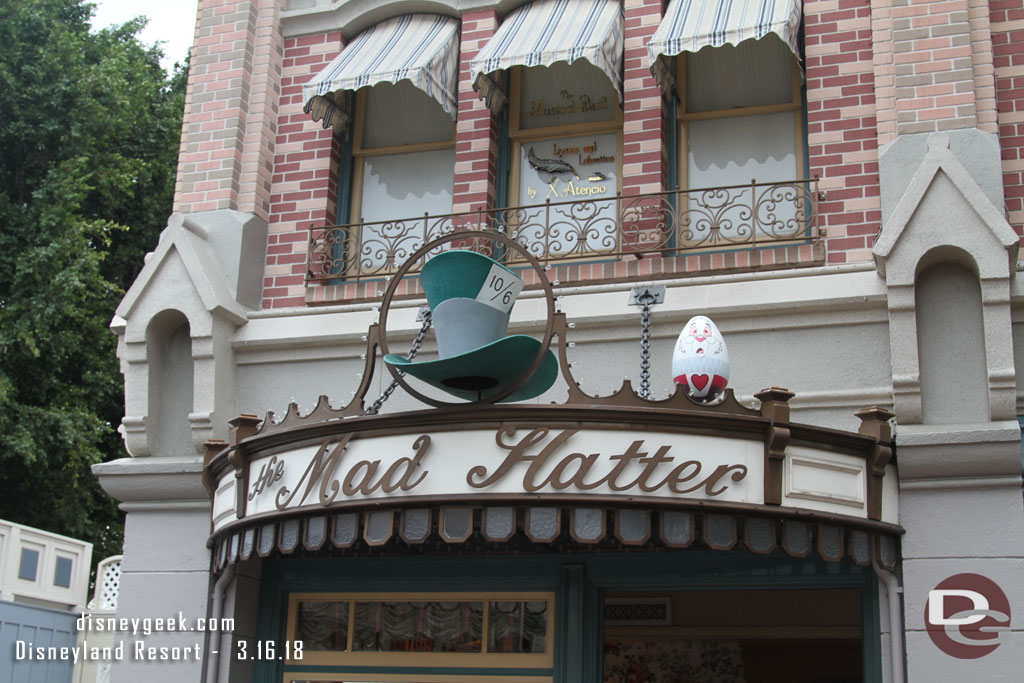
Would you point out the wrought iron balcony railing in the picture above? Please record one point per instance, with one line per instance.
(664, 223)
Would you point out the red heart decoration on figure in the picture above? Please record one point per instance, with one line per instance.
(699, 381)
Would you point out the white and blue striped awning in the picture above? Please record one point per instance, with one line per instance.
(423, 48)
(690, 25)
(544, 32)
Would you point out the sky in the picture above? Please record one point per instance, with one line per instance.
(171, 21)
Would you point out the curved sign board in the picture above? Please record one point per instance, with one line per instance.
(537, 462)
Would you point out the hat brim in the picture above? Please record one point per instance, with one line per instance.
(486, 370)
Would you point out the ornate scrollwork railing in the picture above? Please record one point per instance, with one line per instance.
(662, 224)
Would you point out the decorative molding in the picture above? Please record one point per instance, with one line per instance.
(965, 483)
(156, 482)
(795, 464)
(134, 431)
(940, 159)
(832, 539)
(775, 408)
(195, 252)
(945, 216)
(875, 424)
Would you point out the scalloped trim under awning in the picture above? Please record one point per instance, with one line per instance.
(690, 25)
(548, 31)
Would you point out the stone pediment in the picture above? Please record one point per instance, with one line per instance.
(191, 263)
(943, 206)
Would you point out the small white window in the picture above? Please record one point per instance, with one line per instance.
(29, 565)
(62, 572)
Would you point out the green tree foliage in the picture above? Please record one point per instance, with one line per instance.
(89, 131)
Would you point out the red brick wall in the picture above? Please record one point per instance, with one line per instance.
(231, 108)
(842, 127)
(866, 69)
(303, 172)
(934, 66)
(476, 130)
(842, 146)
(643, 134)
(1007, 17)
(261, 117)
(216, 107)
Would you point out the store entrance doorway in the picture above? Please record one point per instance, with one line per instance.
(733, 636)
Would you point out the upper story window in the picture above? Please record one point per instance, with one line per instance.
(734, 71)
(552, 75)
(565, 134)
(403, 152)
(29, 566)
(390, 96)
(740, 116)
(558, 65)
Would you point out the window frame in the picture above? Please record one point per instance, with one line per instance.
(359, 153)
(459, 660)
(348, 199)
(683, 119)
(35, 563)
(518, 136)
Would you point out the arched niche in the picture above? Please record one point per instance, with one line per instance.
(171, 382)
(951, 339)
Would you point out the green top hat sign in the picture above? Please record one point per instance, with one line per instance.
(470, 297)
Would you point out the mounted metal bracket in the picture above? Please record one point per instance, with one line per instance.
(422, 313)
(638, 293)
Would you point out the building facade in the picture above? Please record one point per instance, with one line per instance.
(836, 183)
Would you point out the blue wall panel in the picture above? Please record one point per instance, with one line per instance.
(39, 627)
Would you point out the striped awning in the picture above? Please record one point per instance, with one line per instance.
(544, 32)
(423, 48)
(690, 25)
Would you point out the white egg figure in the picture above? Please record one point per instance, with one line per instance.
(700, 361)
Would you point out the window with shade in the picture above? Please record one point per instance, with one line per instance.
(741, 126)
(565, 132)
(390, 97)
(400, 165)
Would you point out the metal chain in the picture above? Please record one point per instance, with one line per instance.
(413, 350)
(645, 300)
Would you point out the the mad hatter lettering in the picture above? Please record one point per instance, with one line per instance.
(510, 461)
(361, 479)
(582, 471)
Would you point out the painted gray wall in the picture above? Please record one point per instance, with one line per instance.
(951, 345)
(171, 383)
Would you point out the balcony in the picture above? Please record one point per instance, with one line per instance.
(591, 230)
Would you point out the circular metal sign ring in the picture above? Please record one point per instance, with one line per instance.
(389, 294)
